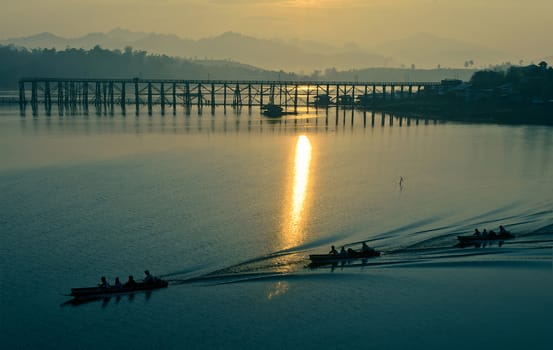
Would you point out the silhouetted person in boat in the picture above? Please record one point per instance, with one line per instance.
(149, 278)
(104, 282)
(476, 232)
(131, 283)
(502, 230)
(485, 233)
(492, 234)
(343, 251)
(351, 252)
(365, 248)
(333, 251)
(117, 283)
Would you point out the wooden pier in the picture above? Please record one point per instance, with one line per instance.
(104, 95)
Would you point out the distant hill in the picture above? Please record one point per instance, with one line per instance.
(426, 50)
(269, 54)
(115, 64)
(421, 49)
(16, 63)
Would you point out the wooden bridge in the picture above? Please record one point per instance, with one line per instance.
(103, 95)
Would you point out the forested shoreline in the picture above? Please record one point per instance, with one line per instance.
(16, 63)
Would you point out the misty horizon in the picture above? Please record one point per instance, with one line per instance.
(421, 50)
(521, 30)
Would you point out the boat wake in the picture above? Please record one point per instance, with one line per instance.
(418, 244)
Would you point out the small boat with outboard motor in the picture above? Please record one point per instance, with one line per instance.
(485, 236)
(98, 292)
(344, 255)
(105, 290)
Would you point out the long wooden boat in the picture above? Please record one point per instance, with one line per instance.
(331, 258)
(274, 111)
(476, 239)
(99, 292)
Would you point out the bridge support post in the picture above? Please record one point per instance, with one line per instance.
(250, 95)
(47, 98)
(60, 98)
(174, 98)
(296, 98)
(136, 98)
(111, 98)
(212, 96)
(237, 100)
(187, 99)
(149, 98)
(162, 98)
(22, 102)
(261, 96)
(105, 97)
(34, 98)
(85, 97)
(200, 101)
(66, 95)
(123, 101)
(308, 92)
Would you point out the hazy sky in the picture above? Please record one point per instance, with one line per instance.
(514, 26)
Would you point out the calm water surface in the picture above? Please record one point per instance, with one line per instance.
(228, 206)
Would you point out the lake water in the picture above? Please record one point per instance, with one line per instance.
(229, 205)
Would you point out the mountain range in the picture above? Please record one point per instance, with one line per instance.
(420, 49)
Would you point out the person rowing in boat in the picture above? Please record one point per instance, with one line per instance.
(343, 251)
(130, 283)
(149, 278)
(366, 248)
(502, 230)
(104, 282)
(333, 251)
(117, 283)
(476, 233)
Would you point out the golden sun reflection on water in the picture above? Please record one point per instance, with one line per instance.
(278, 289)
(294, 212)
(294, 215)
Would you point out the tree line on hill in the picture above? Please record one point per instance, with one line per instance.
(519, 84)
(17, 63)
(514, 94)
